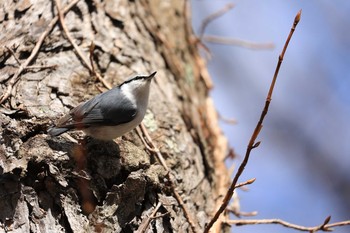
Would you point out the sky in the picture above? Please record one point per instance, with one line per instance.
(302, 166)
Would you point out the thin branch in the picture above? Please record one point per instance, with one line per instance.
(246, 183)
(231, 155)
(214, 16)
(91, 50)
(41, 67)
(76, 47)
(237, 42)
(227, 120)
(223, 40)
(256, 132)
(68, 35)
(29, 67)
(161, 215)
(153, 148)
(35, 50)
(339, 224)
(13, 54)
(323, 227)
(177, 196)
(144, 224)
(240, 214)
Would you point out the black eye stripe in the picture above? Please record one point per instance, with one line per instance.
(137, 78)
(134, 79)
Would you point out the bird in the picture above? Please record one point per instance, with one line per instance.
(110, 114)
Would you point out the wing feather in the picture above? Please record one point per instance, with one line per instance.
(108, 108)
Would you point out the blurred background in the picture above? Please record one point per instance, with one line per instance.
(303, 163)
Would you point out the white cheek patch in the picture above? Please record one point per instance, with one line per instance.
(129, 89)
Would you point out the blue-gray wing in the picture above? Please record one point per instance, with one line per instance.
(109, 108)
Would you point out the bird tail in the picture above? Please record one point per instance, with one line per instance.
(57, 131)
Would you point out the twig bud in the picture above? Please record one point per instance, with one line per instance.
(297, 17)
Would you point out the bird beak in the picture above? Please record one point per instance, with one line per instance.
(151, 75)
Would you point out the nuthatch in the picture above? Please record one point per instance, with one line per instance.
(110, 114)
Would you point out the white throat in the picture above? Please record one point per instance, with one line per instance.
(138, 93)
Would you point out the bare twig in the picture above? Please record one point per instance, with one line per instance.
(224, 40)
(237, 42)
(235, 209)
(240, 214)
(213, 16)
(13, 54)
(91, 50)
(252, 144)
(231, 154)
(322, 227)
(177, 196)
(338, 224)
(76, 47)
(227, 120)
(144, 225)
(68, 35)
(29, 67)
(161, 215)
(245, 183)
(35, 50)
(41, 67)
(152, 147)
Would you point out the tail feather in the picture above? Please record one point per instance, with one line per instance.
(57, 131)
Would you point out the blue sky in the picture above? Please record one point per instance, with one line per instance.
(303, 164)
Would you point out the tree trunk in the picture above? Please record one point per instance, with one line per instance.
(51, 184)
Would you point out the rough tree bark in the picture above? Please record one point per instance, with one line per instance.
(55, 185)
